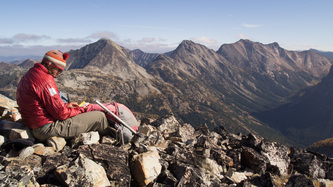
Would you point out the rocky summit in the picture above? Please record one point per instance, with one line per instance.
(162, 153)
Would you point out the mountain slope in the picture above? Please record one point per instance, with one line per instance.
(327, 54)
(308, 118)
(323, 146)
(27, 64)
(141, 58)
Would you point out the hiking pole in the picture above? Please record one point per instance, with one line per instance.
(114, 115)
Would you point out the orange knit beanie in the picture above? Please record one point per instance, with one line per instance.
(56, 58)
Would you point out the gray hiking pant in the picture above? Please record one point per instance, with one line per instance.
(71, 127)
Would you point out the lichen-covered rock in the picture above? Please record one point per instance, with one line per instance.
(113, 159)
(299, 180)
(277, 156)
(253, 160)
(86, 138)
(17, 173)
(166, 125)
(307, 163)
(82, 172)
(186, 132)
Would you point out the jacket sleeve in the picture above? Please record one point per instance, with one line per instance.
(54, 105)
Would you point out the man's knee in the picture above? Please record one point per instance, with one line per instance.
(98, 115)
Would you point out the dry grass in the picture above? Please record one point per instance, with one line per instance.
(327, 142)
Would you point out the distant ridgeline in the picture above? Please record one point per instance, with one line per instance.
(240, 86)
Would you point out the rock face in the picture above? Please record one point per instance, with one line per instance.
(163, 153)
(141, 58)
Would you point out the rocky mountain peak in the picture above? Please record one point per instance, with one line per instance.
(189, 46)
(274, 45)
(27, 63)
(111, 44)
(89, 54)
(194, 56)
(107, 56)
(137, 51)
(245, 41)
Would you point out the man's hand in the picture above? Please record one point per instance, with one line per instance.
(72, 105)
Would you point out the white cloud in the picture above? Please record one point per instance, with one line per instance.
(251, 25)
(243, 36)
(104, 34)
(37, 50)
(147, 45)
(147, 40)
(152, 27)
(74, 40)
(204, 40)
(22, 37)
(6, 41)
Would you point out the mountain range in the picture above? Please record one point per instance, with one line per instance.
(240, 86)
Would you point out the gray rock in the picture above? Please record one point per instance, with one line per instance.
(307, 163)
(86, 138)
(253, 160)
(82, 172)
(166, 125)
(58, 143)
(299, 180)
(186, 132)
(24, 153)
(113, 159)
(18, 174)
(277, 156)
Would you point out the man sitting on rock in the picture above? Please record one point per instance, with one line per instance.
(42, 109)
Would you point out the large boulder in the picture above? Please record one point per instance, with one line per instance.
(82, 172)
(253, 160)
(307, 163)
(145, 167)
(114, 159)
(277, 155)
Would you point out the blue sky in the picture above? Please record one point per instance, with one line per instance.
(36, 26)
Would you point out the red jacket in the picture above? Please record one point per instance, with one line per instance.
(39, 101)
